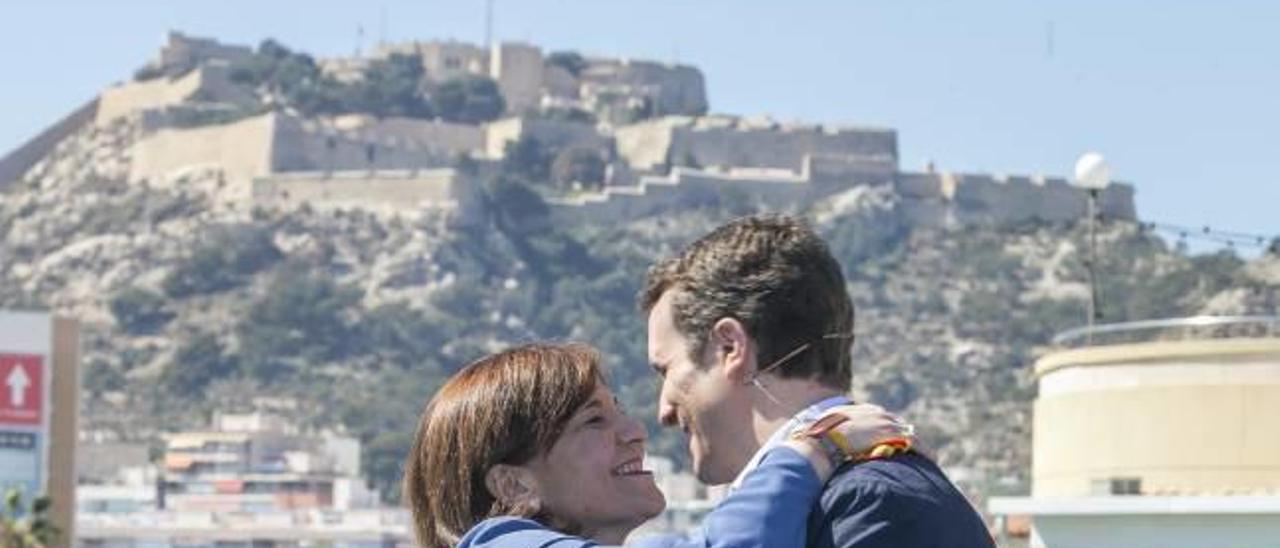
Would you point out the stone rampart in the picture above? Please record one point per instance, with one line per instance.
(685, 187)
(725, 141)
(182, 50)
(241, 150)
(16, 163)
(303, 145)
(941, 199)
(207, 83)
(382, 192)
(443, 137)
(551, 134)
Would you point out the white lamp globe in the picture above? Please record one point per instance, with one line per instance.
(1092, 171)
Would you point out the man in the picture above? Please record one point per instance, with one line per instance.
(750, 329)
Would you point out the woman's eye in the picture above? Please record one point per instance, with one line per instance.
(596, 420)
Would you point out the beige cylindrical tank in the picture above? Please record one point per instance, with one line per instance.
(1153, 418)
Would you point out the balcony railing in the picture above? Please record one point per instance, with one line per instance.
(1173, 329)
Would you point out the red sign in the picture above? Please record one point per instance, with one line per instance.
(21, 389)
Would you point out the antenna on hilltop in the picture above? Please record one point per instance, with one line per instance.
(382, 25)
(488, 24)
(359, 38)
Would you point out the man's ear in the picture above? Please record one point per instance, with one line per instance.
(733, 349)
(511, 485)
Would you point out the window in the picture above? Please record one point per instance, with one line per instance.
(1116, 486)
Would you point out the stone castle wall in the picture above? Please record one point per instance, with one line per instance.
(551, 134)
(303, 146)
(940, 199)
(934, 200)
(382, 192)
(275, 143)
(716, 141)
(182, 50)
(207, 83)
(241, 150)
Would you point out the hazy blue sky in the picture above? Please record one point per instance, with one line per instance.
(1181, 96)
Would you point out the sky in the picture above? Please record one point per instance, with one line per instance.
(1183, 98)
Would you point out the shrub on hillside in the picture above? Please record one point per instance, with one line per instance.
(223, 261)
(139, 311)
(302, 318)
(527, 158)
(581, 165)
(199, 361)
(469, 100)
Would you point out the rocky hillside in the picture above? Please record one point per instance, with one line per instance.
(189, 307)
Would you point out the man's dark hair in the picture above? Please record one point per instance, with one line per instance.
(777, 277)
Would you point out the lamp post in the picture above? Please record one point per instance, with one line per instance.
(1093, 174)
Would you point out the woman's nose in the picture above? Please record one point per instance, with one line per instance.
(632, 430)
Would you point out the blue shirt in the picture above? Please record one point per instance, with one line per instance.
(768, 509)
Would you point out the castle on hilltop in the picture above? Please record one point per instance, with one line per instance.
(646, 123)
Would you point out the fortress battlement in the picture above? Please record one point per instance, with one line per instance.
(185, 105)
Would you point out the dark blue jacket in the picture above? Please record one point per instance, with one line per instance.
(900, 502)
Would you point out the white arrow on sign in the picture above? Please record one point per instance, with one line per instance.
(18, 382)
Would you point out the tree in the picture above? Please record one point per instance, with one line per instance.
(197, 362)
(469, 100)
(526, 158)
(516, 208)
(391, 87)
(571, 61)
(579, 165)
(139, 311)
(23, 527)
(302, 318)
(224, 261)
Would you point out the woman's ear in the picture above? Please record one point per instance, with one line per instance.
(513, 486)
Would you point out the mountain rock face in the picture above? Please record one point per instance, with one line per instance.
(190, 304)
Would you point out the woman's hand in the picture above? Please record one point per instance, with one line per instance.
(852, 432)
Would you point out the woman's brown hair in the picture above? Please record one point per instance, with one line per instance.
(506, 408)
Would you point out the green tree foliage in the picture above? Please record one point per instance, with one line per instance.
(140, 311)
(469, 100)
(570, 61)
(303, 318)
(100, 376)
(569, 114)
(515, 208)
(27, 527)
(390, 86)
(581, 165)
(401, 336)
(199, 361)
(223, 261)
(527, 159)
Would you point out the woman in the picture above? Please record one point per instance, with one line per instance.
(528, 447)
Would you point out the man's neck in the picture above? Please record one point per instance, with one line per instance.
(779, 400)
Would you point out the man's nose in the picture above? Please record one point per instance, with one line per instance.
(666, 411)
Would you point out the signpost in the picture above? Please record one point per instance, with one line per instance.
(39, 387)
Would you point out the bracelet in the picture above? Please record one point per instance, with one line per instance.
(838, 449)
